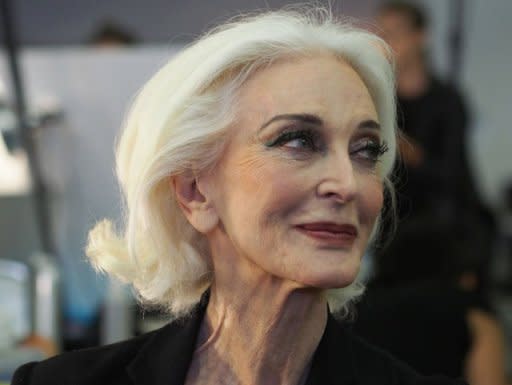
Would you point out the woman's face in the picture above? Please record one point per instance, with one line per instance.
(297, 190)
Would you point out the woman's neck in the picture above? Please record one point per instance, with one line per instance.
(264, 333)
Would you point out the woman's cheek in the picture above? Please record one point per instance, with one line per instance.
(372, 199)
(263, 173)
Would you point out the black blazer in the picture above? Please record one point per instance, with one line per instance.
(162, 357)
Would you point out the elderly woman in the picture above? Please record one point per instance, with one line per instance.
(253, 166)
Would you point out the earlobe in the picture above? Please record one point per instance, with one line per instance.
(196, 205)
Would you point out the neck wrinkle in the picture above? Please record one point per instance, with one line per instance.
(209, 334)
(263, 342)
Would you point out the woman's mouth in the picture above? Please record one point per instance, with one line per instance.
(330, 233)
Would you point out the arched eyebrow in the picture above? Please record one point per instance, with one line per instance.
(316, 120)
(370, 124)
(304, 118)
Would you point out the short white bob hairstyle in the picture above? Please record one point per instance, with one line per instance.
(179, 122)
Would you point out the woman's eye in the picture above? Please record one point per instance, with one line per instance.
(299, 140)
(370, 150)
(299, 143)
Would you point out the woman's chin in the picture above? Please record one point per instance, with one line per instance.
(333, 279)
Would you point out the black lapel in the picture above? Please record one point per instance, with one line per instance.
(165, 358)
(333, 362)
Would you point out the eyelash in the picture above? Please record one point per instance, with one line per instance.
(309, 139)
(374, 149)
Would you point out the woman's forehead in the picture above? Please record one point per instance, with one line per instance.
(321, 85)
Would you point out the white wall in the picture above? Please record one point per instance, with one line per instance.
(94, 89)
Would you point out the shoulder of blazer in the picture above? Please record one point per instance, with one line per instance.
(75, 366)
(158, 357)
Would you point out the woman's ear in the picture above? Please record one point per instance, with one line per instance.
(196, 204)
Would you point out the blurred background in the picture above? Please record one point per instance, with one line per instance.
(68, 71)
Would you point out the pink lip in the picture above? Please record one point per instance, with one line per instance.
(330, 233)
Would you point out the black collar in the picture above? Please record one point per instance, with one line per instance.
(333, 362)
(165, 358)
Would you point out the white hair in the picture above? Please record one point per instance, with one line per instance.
(178, 123)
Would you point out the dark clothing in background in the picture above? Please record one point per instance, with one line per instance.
(443, 227)
(163, 357)
(438, 121)
(423, 323)
(413, 307)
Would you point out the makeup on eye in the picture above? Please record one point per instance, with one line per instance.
(370, 149)
(306, 134)
(297, 138)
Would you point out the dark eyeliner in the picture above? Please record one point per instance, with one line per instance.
(290, 135)
(381, 149)
(375, 150)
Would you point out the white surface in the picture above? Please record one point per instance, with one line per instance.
(94, 88)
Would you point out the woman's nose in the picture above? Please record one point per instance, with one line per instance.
(338, 181)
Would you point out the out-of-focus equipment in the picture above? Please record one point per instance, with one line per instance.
(29, 295)
(26, 133)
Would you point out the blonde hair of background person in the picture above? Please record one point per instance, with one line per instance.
(179, 122)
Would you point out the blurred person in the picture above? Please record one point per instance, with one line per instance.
(110, 34)
(253, 167)
(436, 190)
(424, 304)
